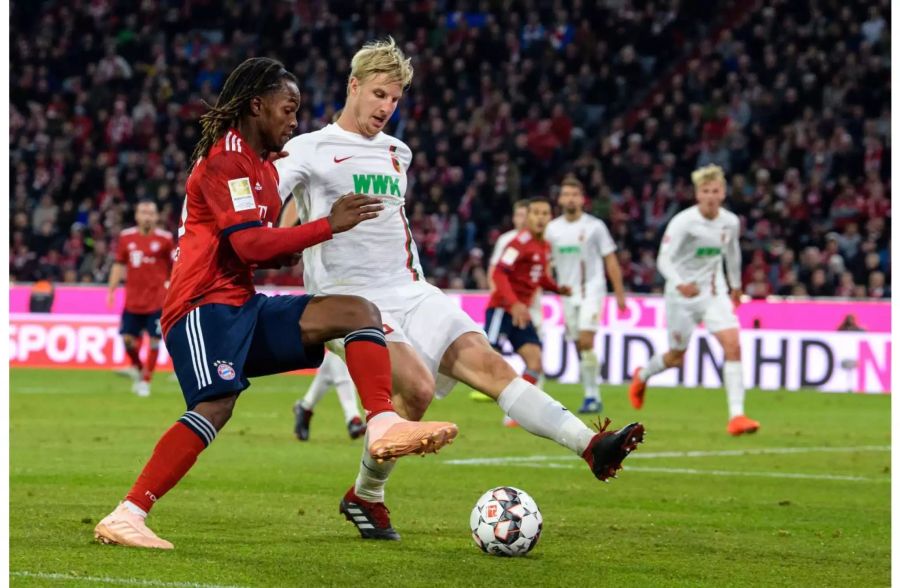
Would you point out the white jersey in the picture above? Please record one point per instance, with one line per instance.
(693, 247)
(324, 165)
(577, 251)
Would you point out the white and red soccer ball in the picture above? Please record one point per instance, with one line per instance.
(506, 521)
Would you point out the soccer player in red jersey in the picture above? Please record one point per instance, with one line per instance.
(145, 253)
(523, 267)
(219, 331)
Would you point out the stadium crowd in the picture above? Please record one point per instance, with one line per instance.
(792, 99)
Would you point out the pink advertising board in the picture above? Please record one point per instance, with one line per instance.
(643, 311)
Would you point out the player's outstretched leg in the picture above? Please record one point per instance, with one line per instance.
(470, 359)
(358, 321)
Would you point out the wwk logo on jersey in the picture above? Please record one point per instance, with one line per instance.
(376, 184)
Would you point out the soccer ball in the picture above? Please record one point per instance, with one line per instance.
(506, 521)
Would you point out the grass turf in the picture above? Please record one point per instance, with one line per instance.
(260, 509)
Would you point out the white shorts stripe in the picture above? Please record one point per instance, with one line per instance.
(192, 347)
(204, 362)
(494, 328)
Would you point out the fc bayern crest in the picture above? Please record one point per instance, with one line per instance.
(225, 370)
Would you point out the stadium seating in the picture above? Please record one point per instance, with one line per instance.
(629, 98)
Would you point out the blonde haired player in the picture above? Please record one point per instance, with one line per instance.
(432, 342)
(690, 258)
(582, 247)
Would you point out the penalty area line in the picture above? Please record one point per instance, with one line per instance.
(119, 581)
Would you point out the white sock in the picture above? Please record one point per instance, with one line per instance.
(135, 508)
(734, 388)
(372, 475)
(317, 390)
(653, 367)
(540, 415)
(542, 379)
(346, 393)
(589, 375)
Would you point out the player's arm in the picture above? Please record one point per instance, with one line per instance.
(117, 272)
(492, 264)
(290, 216)
(733, 264)
(549, 284)
(671, 242)
(605, 247)
(258, 245)
(230, 196)
(614, 271)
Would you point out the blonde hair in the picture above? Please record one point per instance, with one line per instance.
(707, 173)
(381, 57)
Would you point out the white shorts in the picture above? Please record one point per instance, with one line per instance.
(425, 318)
(715, 311)
(582, 314)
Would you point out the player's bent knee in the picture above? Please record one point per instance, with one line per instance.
(217, 411)
(363, 312)
(674, 358)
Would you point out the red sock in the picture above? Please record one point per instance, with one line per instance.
(173, 456)
(134, 354)
(531, 377)
(152, 354)
(369, 364)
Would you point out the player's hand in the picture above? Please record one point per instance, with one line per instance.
(565, 291)
(520, 315)
(110, 298)
(620, 304)
(275, 156)
(736, 294)
(688, 290)
(351, 209)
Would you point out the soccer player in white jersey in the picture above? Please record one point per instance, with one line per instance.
(432, 342)
(332, 373)
(690, 259)
(581, 247)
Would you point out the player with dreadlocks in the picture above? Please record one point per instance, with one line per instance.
(219, 331)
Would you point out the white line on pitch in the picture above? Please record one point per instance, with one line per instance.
(667, 454)
(694, 472)
(105, 580)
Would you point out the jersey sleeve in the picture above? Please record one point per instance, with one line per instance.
(733, 256)
(229, 193)
(602, 241)
(121, 251)
(671, 242)
(295, 169)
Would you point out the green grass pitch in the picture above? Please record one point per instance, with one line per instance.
(260, 508)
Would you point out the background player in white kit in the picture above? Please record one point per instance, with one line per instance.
(581, 247)
(429, 337)
(690, 258)
(332, 373)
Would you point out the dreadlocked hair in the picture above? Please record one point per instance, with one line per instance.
(255, 77)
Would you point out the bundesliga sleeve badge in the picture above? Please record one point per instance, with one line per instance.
(241, 195)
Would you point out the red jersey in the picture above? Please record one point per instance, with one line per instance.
(229, 190)
(149, 261)
(523, 268)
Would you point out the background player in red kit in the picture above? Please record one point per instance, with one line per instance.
(522, 269)
(144, 258)
(219, 332)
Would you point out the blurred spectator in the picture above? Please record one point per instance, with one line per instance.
(792, 99)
